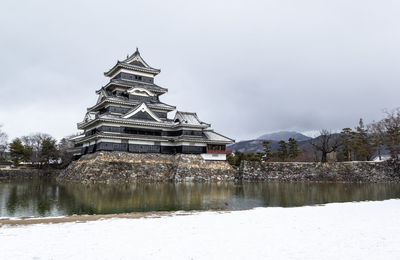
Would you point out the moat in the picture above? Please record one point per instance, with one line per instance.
(43, 198)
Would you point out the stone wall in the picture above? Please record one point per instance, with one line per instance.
(109, 167)
(387, 171)
(119, 167)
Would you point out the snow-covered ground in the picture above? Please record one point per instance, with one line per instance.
(363, 230)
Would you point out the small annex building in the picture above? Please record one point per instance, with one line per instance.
(129, 116)
(5, 165)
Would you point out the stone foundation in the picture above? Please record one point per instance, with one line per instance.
(387, 171)
(119, 167)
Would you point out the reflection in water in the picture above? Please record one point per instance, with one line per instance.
(47, 198)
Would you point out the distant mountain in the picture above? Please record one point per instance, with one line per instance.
(247, 146)
(256, 145)
(284, 135)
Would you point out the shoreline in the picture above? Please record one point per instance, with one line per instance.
(27, 221)
(24, 221)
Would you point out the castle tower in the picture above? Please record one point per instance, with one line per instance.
(129, 116)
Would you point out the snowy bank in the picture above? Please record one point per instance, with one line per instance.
(362, 230)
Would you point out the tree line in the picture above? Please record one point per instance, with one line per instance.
(38, 150)
(364, 142)
(286, 151)
(361, 143)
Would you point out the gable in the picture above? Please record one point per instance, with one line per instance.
(142, 116)
(142, 112)
(137, 63)
(100, 98)
(137, 60)
(187, 118)
(141, 92)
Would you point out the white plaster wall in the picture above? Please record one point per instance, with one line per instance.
(214, 156)
(139, 73)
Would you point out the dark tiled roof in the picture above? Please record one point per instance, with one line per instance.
(202, 139)
(137, 63)
(131, 67)
(188, 118)
(5, 163)
(134, 83)
(136, 59)
(159, 105)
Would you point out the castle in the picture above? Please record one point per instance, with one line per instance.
(129, 116)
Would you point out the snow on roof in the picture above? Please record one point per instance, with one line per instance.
(382, 158)
(77, 137)
(89, 116)
(188, 118)
(129, 120)
(133, 62)
(213, 136)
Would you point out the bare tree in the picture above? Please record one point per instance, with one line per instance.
(35, 142)
(377, 133)
(391, 125)
(3, 143)
(64, 147)
(325, 143)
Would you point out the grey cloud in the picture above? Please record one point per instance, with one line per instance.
(247, 67)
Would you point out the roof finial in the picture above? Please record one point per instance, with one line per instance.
(127, 55)
(137, 50)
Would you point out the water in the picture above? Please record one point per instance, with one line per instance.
(47, 198)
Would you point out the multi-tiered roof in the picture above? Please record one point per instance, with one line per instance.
(129, 110)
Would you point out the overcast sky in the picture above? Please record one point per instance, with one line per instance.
(246, 67)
